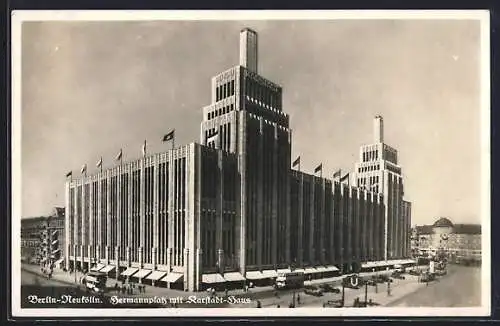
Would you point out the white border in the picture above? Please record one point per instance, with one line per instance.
(19, 16)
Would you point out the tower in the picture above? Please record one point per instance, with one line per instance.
(246, 118)
(378, 170)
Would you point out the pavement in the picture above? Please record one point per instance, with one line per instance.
(460, 288)
(379, 295)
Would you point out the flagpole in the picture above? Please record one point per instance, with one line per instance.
(173, 140)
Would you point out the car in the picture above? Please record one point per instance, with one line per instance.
(334, 303)
(427, 277)
(315, 292)
(397, 275)
(329, 288)
(414, 272)
(371, 282)
(441, 272)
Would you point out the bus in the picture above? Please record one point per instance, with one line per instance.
(95, 281)
(290, 280)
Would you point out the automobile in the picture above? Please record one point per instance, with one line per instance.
(329, 288)
(334, 303)
(441, 272)
(414, 272)
(372, 282)
(427, 277)
(397, 275)
(314, 291)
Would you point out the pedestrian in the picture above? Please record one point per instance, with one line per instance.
(246, 288)
(259, 305)
(278, 306)
(144, 289)
(116, 287)
(225, 292)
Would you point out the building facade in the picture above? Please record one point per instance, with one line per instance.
(378, 171)
(42, 238)
(226, 210)
(457, 241)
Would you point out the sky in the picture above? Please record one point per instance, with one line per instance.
(91, 88)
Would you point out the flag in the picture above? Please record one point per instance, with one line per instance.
(345, 177)
(84, 169)
(296, 162)
(70, 173)
(144, 148)
(318, 168)
(338, 173)
(169, 136)
(119, 156)
(99, 163)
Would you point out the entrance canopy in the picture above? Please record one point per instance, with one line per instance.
(172, 277)
(97, 267)
(129, 271)
(156, 275)
(212, 278)
(107, 269)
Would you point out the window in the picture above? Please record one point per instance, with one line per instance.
(232, 87)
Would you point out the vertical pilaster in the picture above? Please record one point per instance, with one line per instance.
(67, 222)
(129, 215)
(108, 216)
(156, 206)
(260, 182)
(322, 224)
(171, 203)
(142, 211)
(274, 213)
(99, 217)
(75, 221)
(242, 187)
(301, 243)
(119, 214)
(219, 209)
(84, 220)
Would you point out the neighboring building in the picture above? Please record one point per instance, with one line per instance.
(31, 240)
(378, 171)
(39, 235)
(228, 210)
(459, 241)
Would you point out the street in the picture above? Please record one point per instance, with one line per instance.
(443, 292)
(461, 288)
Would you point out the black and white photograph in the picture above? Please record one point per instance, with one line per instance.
(250, 163)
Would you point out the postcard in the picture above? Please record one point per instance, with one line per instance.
(250, 163)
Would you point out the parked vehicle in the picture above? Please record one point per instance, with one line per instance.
(399, 268)
(397, 275)
(415, 272)
(290, 280)
(427, 277)
(329, 288)
(334, 303)
(95, 282)
(313, 290)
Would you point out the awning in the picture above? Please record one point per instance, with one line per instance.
(97, 267)
(310, 271)
(369, 264)
(129, 271)
(212, 278)
(270, 273)
(284, 270)
(299, 270)
(321, 269)
(331, 269)
(233, 277)
(172, 277)
(156, 275)
(142, 273)
(254, 275)
(107, 269)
